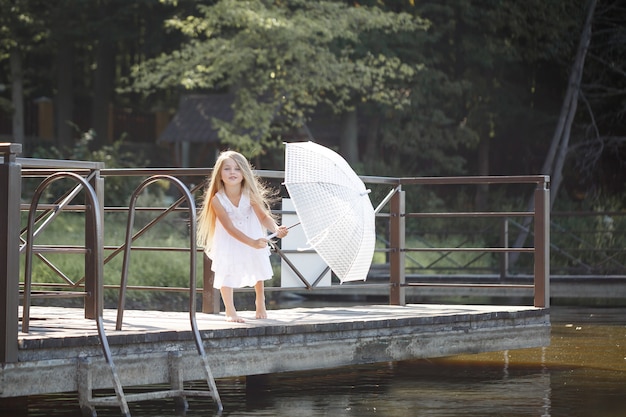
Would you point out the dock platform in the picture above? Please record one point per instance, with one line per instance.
(61, 341)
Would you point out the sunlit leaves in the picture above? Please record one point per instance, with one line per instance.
(284, 59)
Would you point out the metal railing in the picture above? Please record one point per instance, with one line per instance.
(93, 250)
(398, 241)
(399, 215)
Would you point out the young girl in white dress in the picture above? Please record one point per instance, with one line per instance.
(232, 226)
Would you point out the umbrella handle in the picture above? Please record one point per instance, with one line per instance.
(273, 235)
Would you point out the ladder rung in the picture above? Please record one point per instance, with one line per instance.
(147, 396)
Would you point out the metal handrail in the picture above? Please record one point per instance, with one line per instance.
(397, 183)
(396, 216)
(95, 253)
(191, 209)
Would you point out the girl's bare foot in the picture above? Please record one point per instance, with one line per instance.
(261, 313)
(234, 319)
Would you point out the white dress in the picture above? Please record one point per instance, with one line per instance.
(236, 264)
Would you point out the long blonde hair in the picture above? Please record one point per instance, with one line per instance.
(258, 193)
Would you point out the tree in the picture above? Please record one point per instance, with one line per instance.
(119, 29)
(283, 60)
(555, 158)
(20, 30)
(598, 157)
(560, 144)
(68, 31)
(92, 46)
(488, 73)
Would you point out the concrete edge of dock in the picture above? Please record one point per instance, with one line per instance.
(303, 339)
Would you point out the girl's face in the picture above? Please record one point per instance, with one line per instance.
(231, 173)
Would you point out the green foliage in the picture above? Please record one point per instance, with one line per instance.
(445, 262)
(166, 269)
(484, 80)
(588, 243)
(117, 189)
(283, 59)
(431, 80)
(19, 25)
(66, 229)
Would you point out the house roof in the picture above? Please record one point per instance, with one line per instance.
(193, 120)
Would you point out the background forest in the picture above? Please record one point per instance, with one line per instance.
(405, 87)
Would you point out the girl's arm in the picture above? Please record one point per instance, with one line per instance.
(222, 216)
(269, 223)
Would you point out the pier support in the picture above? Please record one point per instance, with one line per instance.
(177, 379)
(91, 373)
(542, 244)
(85, 386)
(210, 296)
(10, 189)
(397, 290)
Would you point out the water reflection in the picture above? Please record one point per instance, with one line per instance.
(582, 373)
(438, 389)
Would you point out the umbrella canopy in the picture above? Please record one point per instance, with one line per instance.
(333, 206)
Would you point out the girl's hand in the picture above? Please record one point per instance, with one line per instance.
(282, 231)
(260, 243)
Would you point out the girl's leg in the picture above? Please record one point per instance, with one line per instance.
(231, 313)
(259, 289)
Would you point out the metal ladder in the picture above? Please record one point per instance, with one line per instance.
(188, 198)
(95, 211)
(86, 399)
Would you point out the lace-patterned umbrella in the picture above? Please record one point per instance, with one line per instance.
(333, 206)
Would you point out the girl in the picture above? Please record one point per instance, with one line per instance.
(232, 227)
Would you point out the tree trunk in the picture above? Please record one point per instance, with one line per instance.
(17, 95)
(557, 154)
(103, 88)
(348, 141)
(371, 139)
(64, 103)
(557, 172)
(482, 190)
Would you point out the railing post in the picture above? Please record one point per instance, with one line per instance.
(95, 293)
(10, 190)
(542, 244)
(210, 296)
(397, 291)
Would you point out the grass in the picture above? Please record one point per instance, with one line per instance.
(171, 269)
(147, 268)
(438, 262)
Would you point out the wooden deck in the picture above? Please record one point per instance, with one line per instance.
(60, 339)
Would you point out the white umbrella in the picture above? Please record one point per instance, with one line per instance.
(333, 206)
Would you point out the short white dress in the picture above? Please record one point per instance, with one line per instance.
(234, 263)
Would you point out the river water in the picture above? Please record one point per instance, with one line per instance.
(581, 374)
